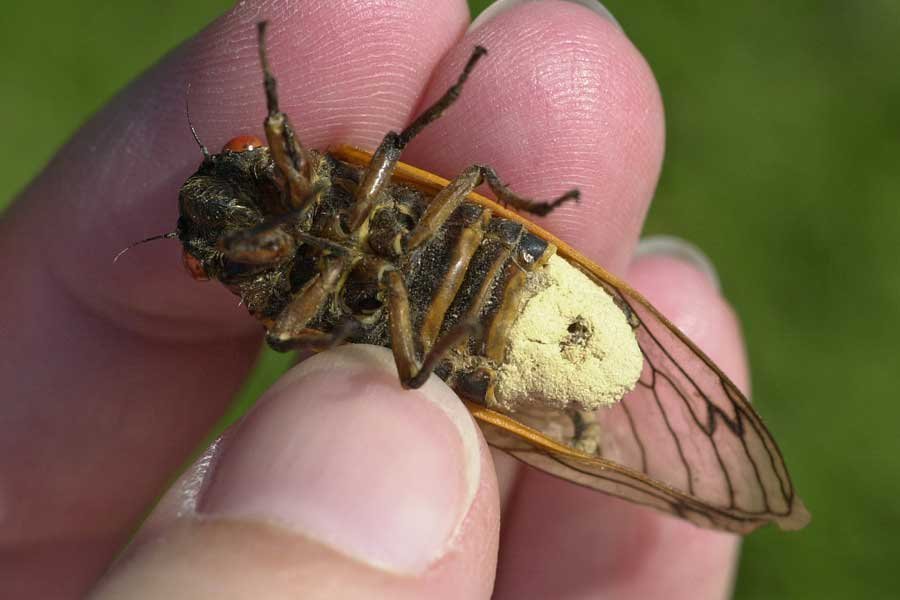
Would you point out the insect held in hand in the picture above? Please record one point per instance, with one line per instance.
(563, 365)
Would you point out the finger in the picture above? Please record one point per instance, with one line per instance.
(340, 484)
(563, 99)
(347, 72)
(566, 542)
(116, 371)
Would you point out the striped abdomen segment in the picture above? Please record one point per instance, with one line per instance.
(474, 268)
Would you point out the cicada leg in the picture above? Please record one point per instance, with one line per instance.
(265, 244)
(412, 374)
(290, 158)
(320, 341)
(289, 330)
(509, 198)
(386, 156)
(448, 200)
(268, 243)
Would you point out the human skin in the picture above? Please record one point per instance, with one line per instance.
(340, 484)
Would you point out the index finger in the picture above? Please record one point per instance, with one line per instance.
(562, 100)
(115, 372)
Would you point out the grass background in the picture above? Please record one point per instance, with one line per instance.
(782, 163)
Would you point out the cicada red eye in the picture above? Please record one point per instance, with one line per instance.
(243, 143)
(194, 266)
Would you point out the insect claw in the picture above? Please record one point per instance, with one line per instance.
(546, 208)
(476, 55)
(573, 194)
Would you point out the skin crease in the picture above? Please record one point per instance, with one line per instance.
(95, 434)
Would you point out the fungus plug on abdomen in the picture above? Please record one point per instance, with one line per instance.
(571, 345)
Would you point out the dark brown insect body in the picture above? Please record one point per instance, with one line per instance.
(466, 272)
(325, 248)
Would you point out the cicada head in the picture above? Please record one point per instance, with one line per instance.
(231, 194)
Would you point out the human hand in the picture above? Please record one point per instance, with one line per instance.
(340, 484)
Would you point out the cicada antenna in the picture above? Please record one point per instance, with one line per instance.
(187, 109)
(165, 236)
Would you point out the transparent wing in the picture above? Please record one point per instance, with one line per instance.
(685, 441)
(539, 451)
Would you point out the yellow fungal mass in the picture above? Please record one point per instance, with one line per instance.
(570, 345)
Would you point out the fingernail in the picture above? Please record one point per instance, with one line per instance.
(501, 6)
(679, 249)
(340, 453)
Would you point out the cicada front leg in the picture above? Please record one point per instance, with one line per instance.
(319, 341)
(381, 168)
(289, 330)
(290, 158)
(263, 244)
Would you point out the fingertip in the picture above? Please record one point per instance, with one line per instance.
(348, 72)
(350, 458)
(563, 99)
(394, 484)
(564, 541)
(216, 558)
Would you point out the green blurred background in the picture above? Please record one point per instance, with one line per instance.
(782, 164)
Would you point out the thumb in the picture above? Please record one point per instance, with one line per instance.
(338, 485)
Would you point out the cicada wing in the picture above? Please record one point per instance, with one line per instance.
(685, 441)
(539, 451)
(599, 473)
(687, 425)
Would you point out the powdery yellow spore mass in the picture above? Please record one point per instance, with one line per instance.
(571, 345)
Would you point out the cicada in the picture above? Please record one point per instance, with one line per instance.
(563, 365)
